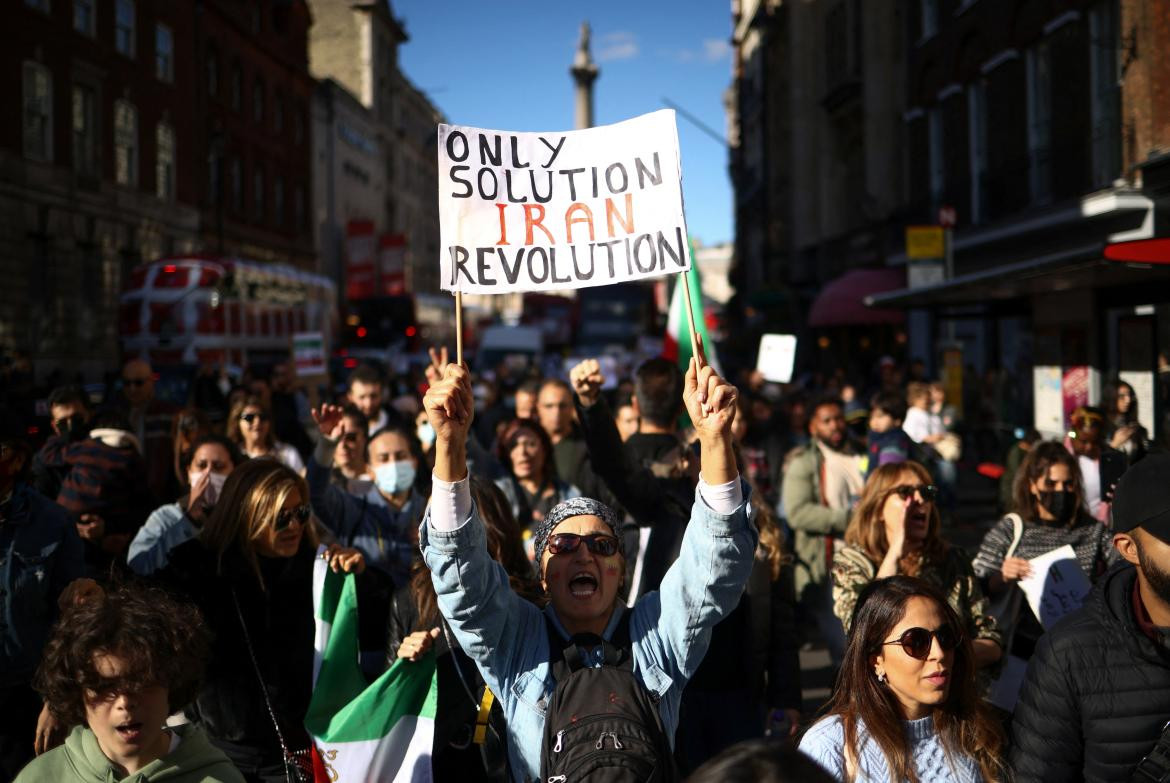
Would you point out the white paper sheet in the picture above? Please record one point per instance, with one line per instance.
(1057, 586)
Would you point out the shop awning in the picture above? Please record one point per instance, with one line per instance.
(1053, 272)
(843, 301)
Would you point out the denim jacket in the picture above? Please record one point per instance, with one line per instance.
(506, 636)
(40, 553)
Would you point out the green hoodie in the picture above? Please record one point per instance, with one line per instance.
(80, 760)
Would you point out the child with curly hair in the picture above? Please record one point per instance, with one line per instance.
(114, 669)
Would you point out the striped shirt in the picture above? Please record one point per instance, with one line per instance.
(100, 479)
(1091, 541)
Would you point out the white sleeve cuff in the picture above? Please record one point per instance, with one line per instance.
(722, 498)
(450, 503)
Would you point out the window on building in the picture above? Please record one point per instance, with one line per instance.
(1039, 87)
(929, 11)
(212, 75)
(258, 101)
(1105, 78)
(164, 167)
(124, 27)
(278, 201)
(236, 183)
(237, 86)
(934, 121)
(84, 17)
(258, 194)
(39, 5)
(38, 112)
(977, 146)
(125, 144)
(164, 53)
(85, 130)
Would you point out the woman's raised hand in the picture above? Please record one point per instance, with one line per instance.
(450, 406)
(329, 419)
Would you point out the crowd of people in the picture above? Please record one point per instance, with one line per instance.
(615, 577)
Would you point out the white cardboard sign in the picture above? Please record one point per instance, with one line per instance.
(554, 211)
(777, 356)
(1057, 585)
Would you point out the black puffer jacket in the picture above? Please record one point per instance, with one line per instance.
(1097, 693)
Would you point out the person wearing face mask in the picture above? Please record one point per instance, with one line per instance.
(1096, 699)
(1048, 512)
(906, 706)
(70, 413)
(380, 522)
(207, 466)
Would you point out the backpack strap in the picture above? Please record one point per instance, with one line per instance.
(566, 657)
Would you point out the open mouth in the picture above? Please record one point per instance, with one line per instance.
(129, 732)
(583, 585)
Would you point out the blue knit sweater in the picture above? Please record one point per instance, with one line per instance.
(825, 741)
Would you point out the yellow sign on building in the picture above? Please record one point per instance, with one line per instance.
(925, 242)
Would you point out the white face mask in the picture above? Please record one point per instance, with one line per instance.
(214, 487)
(426, 433)
(394, 477)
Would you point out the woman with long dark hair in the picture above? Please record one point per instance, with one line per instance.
(1122, 428)
(1048, 512)
(906, 707)
(416, 626)
(249, 426)
(895, 530)
(532, 485)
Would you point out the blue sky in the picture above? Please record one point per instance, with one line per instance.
(506, 65)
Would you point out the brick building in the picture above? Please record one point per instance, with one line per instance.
(97, 167)
(254, 94)
(146, 128)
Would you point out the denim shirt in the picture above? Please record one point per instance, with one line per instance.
(166, 528)
(40, 553)
(506, 635)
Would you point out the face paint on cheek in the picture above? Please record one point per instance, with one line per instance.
(552, 574)
(611, 570)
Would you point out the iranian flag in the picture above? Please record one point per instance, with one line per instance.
(365, 732)
(677, 345)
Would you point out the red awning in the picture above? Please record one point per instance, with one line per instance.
(842, 302)
(1142, 251)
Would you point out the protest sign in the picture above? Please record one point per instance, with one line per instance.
(1057, 585)
(776, 357)
(554, 211)
(308, 349)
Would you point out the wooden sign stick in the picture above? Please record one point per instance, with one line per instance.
(459, 328)
(695, 352)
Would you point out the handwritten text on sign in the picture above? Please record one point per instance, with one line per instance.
(541, 211)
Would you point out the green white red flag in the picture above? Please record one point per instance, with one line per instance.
(382, 731)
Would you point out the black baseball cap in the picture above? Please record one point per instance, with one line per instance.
(1142, 498)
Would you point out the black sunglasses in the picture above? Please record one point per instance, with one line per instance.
(134, 381)
(916, 641)
(251, 417)
(350, 437)
(906, 491)
(285, 517)
(567, 543)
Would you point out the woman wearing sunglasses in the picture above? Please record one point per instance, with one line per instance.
(905, 706)
(895, 531)
(249, 426)
(581, 569)
(250, 571)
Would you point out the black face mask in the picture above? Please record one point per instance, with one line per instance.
(73, 428)
(1062, 505)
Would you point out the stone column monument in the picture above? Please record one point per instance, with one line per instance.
(584, 73)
